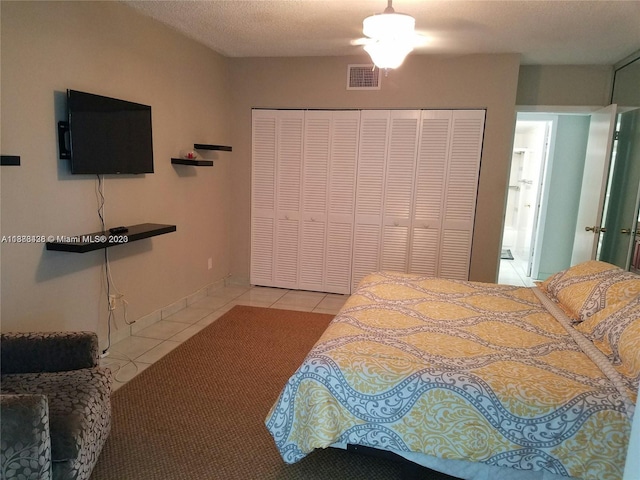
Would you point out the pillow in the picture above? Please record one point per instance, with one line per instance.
(615, 331)
(589, 287)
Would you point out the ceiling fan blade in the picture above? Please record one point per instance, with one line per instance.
(361, 41)
(418, 40)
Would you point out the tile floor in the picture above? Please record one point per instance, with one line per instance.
(514, 272)
(132, 355)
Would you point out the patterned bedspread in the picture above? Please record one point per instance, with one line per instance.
(455, 370)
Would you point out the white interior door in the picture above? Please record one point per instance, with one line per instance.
(337, 195)
(288, 196)
(263, 197)
(594, 184)
(317, 149)
(341, 201)
(538, 177)
(372, 154)
(398, 191)
(460, 194)
(328, 200)
(431, 173)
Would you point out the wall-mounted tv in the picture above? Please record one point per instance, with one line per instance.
(106, 135)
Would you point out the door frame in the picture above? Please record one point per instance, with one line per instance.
(615, 202)
(548, 113)
(594, 183)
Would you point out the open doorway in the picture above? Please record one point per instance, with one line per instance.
(528, 161)
(541, 217)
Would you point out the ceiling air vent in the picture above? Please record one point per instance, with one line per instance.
(363, 77)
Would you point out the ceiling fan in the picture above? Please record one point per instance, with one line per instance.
(390, 37)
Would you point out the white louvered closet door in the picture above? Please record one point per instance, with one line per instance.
(398, 189)
(372, 153)
(317, 150)
(341, 201)
(263, 196)
(337, 195)
(460, 193)
(289, 152)
(432, 155)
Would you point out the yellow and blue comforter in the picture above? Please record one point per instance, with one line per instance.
(455, 370)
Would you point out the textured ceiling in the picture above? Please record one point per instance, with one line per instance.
(543, 32)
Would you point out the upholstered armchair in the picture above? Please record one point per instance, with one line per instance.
(55, 411)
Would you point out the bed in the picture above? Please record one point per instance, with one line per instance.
(475, 380)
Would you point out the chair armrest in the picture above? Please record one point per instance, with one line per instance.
(36, 352)
(25, 450)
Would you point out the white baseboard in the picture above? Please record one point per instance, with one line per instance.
(145, 321)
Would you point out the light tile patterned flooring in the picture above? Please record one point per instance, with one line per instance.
(514, 272)
(132, 355)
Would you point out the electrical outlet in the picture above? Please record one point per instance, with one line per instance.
(210, 263)
(112, 302)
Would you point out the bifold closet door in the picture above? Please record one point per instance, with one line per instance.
(263, 197)
(460, 193)
(328, 196)
(277, 149)
(317, 150)
(431, 174)
(447, 172)
(399, 189)
(288, 196)
(303, 198)
(372, 154)
(341, 201)
(337, 195)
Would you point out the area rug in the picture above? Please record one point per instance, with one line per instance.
(198, 413)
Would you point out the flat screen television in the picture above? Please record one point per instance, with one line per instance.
(106, 135)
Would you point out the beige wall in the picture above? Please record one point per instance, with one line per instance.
(109, 49)
(565, 85)
(476, 81)
(626, 80)
(199, 96)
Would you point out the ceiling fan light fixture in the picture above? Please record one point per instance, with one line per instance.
(389, 25)
(392, 37)
(387, 54)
